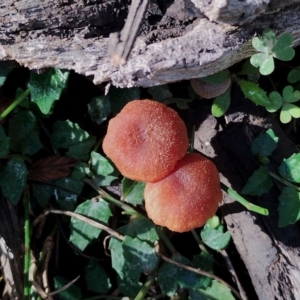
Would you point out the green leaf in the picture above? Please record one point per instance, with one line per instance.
(248, 68)
(71, 293)
(96, 278)
(99, 109)
(119, 97)
(130, 258)
(264, 144)
(266, 42)
(133, 191)
(182, 277)
(66, 134)
(24, 133)
(285, 116)
(289, 207)
(160, 92)
(259, 182)
(3, 74)
(67, 191)
(217, 291)
(101, 165)
(294, 110)
(13, 177)
(289, 95)
(282, 48)
(264, 62)
(4, 142)
(221, 104)
(215, 238)
(217, 78)
(276, 102)
(253, 92)
(42, 193)
(82, 150)
(294, 75)
(82, 233)
(290, 168)
(47, 87)
(213, 222)
(140, 228)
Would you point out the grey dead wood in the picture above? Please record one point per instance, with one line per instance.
(179, 39)
(270, 254)
(11, 267)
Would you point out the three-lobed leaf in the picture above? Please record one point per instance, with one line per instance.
(46, 88)
(99, 109)
(132, 191)
(82, 233)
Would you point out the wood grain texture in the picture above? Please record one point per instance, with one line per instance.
(177, 42)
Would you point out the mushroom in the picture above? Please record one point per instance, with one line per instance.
(145, 140)
(209, 90)
(187, 197)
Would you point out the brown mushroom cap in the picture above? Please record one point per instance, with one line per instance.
(209, 90)
(187, 197)
(145, 140)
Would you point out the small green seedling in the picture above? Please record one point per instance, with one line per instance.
(284, 101)
(270, 48)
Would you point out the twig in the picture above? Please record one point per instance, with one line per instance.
(48, 245)
(64, 287)
(122, 43)
(198, 271)
(80, 217)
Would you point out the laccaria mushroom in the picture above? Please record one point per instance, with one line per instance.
(209, 90)
(187, 197)
(145, 140)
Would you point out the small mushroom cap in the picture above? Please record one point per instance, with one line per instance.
(187, 197)
(145, 140)
(209, 90)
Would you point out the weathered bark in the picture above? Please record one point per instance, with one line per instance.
(270, 254)
(11, 262)
(179, 39)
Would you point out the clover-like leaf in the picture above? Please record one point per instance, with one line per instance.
(289, 207)
(266, 42)
(282, 49)
(276, 101)
(269, 47)
(258, 183)
(294, 75)
(264, 62)
(288, 111)
(215, 238)
(289, 95)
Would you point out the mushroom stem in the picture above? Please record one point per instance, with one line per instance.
(250, 206)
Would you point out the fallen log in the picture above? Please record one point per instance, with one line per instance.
(179, 39)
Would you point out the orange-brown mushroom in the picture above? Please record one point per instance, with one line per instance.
(187, 197)
(145, 140)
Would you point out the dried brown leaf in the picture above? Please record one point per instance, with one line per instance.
(51, 168)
